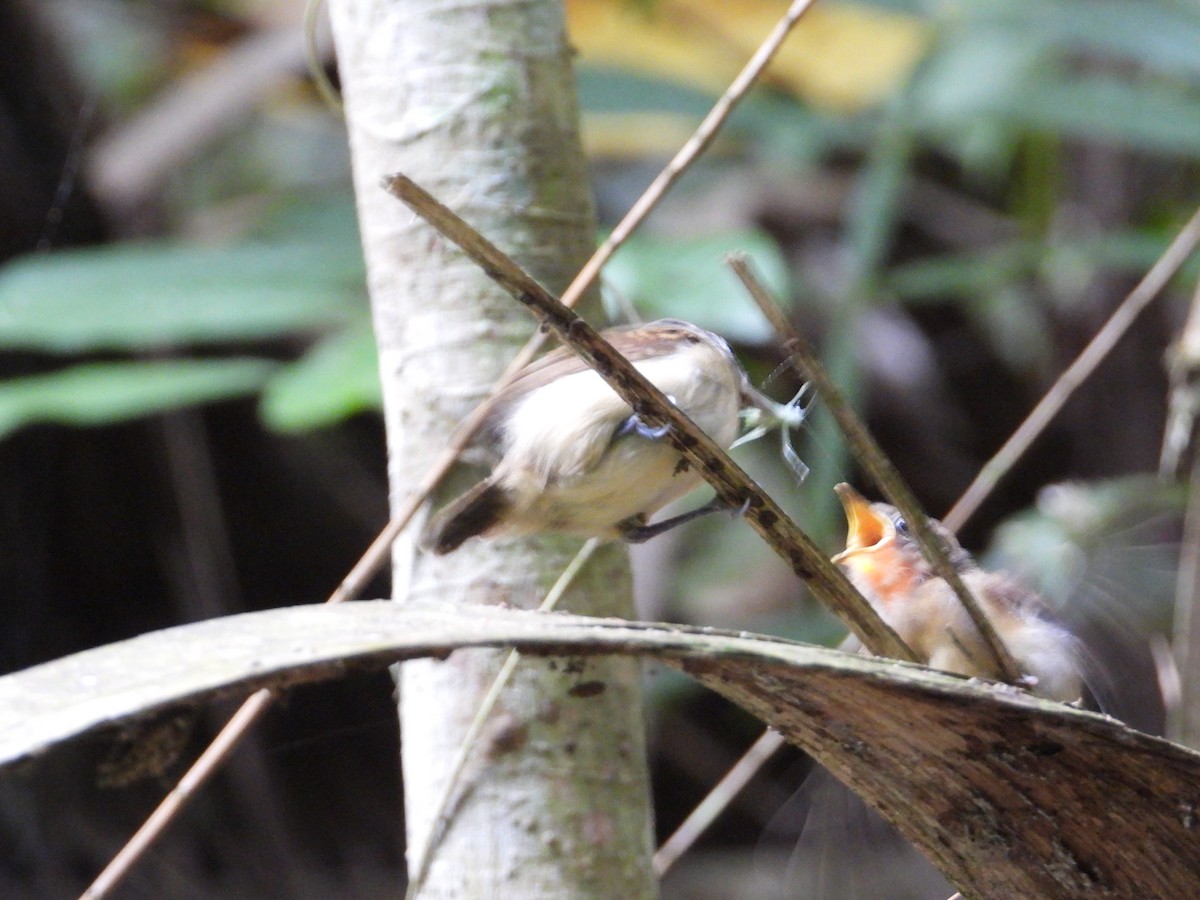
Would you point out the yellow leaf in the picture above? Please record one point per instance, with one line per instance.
(842, 56)
(636, 134)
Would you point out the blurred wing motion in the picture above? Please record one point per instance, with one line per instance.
(1104, 556)
(825, 843)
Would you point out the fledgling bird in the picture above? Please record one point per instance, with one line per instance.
(883, 560)
(575, 458)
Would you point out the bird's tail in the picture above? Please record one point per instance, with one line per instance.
(473, 513)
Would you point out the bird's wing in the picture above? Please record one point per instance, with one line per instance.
(634, 342)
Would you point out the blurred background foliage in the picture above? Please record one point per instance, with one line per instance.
(951, 197)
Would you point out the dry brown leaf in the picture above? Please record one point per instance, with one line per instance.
(1009, 795)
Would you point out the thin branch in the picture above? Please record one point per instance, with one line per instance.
(1093, 354)
(731, 483)
(874, 461)
(131, 162)
(202, 769)
(441, 817)
(714, 803)
(376, 556)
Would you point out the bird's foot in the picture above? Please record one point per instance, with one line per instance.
(634, 425)
(634, 530)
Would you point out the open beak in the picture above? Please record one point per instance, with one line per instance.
(866, 530)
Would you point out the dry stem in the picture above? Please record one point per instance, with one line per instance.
(878, 467)
(731, 483)
(715, 801)
(1093, 354)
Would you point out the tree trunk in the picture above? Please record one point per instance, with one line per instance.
(476, 102)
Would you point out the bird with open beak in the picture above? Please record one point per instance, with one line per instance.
(574, 457)
(884, 561)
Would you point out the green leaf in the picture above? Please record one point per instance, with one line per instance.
(1141, 114)
(137, 297)
(336, 379)
(876, 198)
(321, 216)
(1159, 36)
(966, 274)
(101, 393)
(973, 70)
(687, 278)
(606, 89)
(1066, 265)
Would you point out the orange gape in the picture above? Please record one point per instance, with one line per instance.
(887, 574)
(885, 563)
(880, 557)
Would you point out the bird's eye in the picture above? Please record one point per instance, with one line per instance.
(900, 524)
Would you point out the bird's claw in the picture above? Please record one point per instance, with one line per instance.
(633, 424)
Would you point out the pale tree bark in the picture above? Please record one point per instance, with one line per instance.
(476, 101)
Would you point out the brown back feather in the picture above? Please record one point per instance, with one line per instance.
(634, 342)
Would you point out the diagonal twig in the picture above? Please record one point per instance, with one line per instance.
(714, 803)
(1075, 374)
(874, 461)
(730, 481)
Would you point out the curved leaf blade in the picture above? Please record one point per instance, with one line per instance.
(148, 296)
(103, 393)
(1010, 796)
(334, 380)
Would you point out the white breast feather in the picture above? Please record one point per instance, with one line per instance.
(565, 463)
